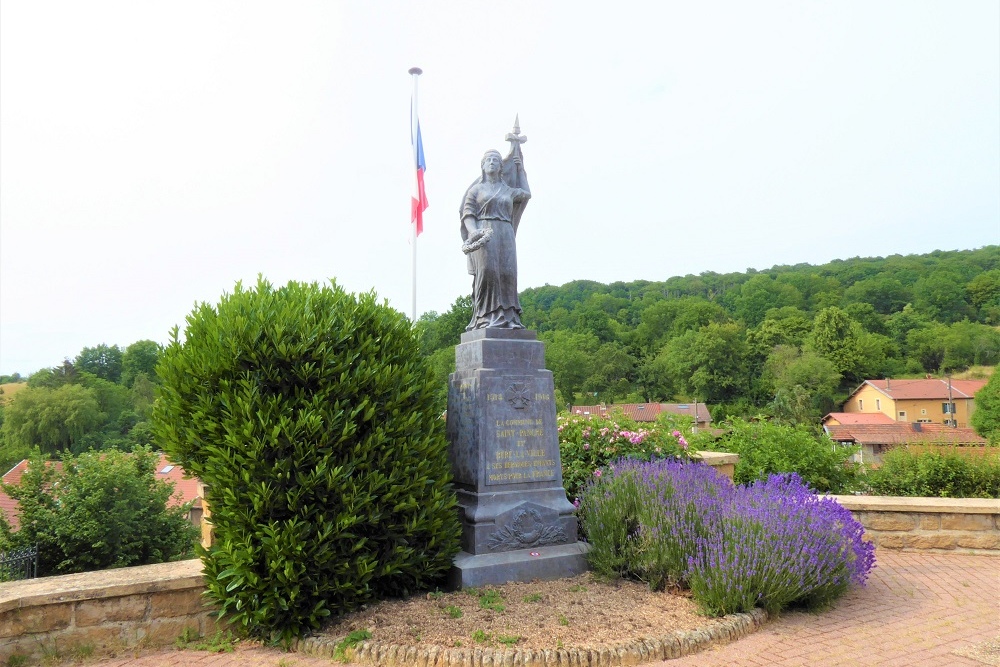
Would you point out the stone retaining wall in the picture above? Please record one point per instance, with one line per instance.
(110, 611)
(102, 612)
(969, 525)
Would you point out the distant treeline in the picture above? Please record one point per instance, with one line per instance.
(99, 400)
(790, 341)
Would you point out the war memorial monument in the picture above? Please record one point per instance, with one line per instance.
(517, 524)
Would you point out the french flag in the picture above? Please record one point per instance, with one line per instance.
(418, 202)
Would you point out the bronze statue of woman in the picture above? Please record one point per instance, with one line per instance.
(490, 214)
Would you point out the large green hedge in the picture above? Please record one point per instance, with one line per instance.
(768, 448)
(940, 472)
(309, 414)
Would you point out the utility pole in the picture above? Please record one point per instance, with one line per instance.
(951, 406)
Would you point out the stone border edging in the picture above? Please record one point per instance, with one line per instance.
(635, 652)
(920, 504)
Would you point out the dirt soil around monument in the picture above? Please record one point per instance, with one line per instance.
(581, 611)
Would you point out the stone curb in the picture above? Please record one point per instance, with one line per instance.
(635, 652)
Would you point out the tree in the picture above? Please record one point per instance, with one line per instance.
(927, 345)
(140, 358)
(440, 331)
(788, 367)
(762, 292)
(51, 419)
(709, 364)
(104, 361)
(942, 295)
(984, 294)
(54, 377)
(986, 417)
(781, 326)
(855, 353)
(571, 356)
(865, 315)
(614, 372)
(593, 320)
(98, 511)
(666, 319)
(884, 293)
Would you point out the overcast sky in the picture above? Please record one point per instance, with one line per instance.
(154, 153)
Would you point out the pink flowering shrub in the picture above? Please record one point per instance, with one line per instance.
(588, 444)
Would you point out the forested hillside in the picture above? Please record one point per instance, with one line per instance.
(790, 341)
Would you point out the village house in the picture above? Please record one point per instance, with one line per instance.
(874, 439)
(925, 401)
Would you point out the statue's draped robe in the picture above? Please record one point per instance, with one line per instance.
(494, 266)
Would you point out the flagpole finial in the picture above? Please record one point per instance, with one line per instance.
(416, 70)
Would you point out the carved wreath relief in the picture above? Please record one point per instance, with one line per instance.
(526, 530)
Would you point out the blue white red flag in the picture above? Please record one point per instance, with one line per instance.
(419, 200)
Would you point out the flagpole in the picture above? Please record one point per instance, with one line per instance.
(415, 72)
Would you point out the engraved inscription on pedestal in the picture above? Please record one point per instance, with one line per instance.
(518, 452)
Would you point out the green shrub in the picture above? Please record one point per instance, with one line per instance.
(588, 444)
(309, 414)
(942, 474)
(97, 511)
(768, 448)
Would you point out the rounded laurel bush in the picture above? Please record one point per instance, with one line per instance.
(308, 413)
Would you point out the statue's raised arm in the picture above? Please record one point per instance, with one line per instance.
(490, 214)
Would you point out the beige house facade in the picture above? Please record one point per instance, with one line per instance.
(926, 401)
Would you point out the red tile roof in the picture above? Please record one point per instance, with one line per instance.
(934, 388)
(646, 412)
(185, 490)
(859, 418)
(899, 433)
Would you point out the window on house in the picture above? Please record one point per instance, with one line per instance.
(878, 404)
(902, 415)
(923, 421)
(948, 408)
(861, 404)
(923, 411)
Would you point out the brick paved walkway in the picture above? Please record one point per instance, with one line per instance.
(916, 611)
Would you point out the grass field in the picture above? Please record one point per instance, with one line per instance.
(9, 389)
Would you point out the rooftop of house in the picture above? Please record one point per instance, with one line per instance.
(898, 433)
(185, 489)
(929, 388)
(647, 412)
(858, 418)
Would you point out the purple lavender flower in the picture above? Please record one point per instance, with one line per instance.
(771, 544)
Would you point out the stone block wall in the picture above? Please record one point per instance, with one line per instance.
(723, 462)
(970, 525)
(103, 612)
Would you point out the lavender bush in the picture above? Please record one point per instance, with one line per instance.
(771, 544)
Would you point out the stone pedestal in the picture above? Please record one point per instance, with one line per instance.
(517, 524)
